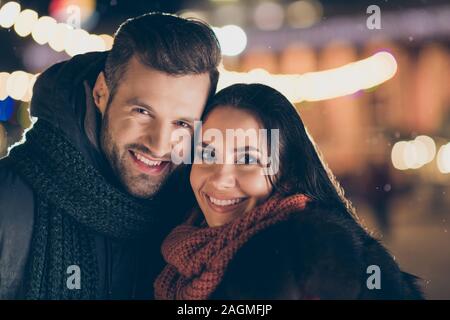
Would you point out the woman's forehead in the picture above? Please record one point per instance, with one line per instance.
(227, 117)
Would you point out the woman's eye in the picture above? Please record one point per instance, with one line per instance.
(248, 159)
(207, 155)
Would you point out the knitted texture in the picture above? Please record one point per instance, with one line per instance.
(198, 257)
(73, 202)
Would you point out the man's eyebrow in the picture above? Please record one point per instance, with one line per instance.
(189, 120)
(137, 102)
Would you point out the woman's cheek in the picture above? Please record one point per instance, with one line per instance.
(199, 174)
(255, 184)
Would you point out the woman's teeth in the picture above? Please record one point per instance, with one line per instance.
(224, 203)
(147, 161)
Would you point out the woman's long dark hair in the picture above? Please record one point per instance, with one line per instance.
(301, 167)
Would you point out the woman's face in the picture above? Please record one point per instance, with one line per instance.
(229, 179)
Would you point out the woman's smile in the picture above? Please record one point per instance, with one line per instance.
(224, 204)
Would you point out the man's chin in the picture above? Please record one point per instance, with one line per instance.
(143, 186)
(143, 193)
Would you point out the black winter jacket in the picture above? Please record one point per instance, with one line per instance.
(316, 254)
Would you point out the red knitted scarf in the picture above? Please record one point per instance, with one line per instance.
(198, 257)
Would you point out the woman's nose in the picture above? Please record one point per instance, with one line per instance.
(224, 177)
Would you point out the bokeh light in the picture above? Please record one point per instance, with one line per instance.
(397, 155)
(76, 42)
(232, 39)
(269, 16)
(17, 84)
(42, 30)
(23, 115)
(348, 79)
(67, 11)
(6, 109)
(25, 22)
(413, 154)
(304, 13)
(9, 13)
(108, 40)
(3, 81)
(443, 159)
(430, 145)
(58, 37)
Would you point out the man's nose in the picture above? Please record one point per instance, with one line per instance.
(223, 177)
(159, 140)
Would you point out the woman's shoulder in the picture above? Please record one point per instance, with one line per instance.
(297, 258)
(316, 253)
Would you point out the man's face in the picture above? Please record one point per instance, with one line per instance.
(138, 123)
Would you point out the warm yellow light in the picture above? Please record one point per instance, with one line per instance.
(232, 39)
(75, 42)
(443, 159)
(29, 93)
(269, 16)
(17, 84)
(9, 13)
(108, 40)
(3, 81)
(430, 146)
(43, 29)
(350, 78)
(58, 37)
(397, 155)
(95, 43)
(322, 85)
(411, 155)
(303, 14)
(25, 22)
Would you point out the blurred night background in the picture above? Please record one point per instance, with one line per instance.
(387, 141)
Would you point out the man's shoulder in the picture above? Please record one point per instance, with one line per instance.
(16, 197)
(16, 228)
(9, 177)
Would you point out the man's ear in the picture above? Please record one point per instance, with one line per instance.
(101, 93)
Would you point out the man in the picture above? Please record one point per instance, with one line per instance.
(78, 216)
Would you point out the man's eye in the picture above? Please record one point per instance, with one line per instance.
(183, 124)
(142, 111)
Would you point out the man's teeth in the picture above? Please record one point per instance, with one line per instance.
(224, 202)
(147, 161)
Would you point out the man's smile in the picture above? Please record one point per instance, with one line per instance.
(148, 165)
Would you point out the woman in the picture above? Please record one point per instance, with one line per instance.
(290, 234)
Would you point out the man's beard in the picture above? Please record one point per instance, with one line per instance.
(138, 185)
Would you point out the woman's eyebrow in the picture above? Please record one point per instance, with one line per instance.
(206, 144)
(246, 149)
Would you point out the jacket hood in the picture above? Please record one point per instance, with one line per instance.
(59, 97)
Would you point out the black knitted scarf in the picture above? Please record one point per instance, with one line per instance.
(73, 201)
